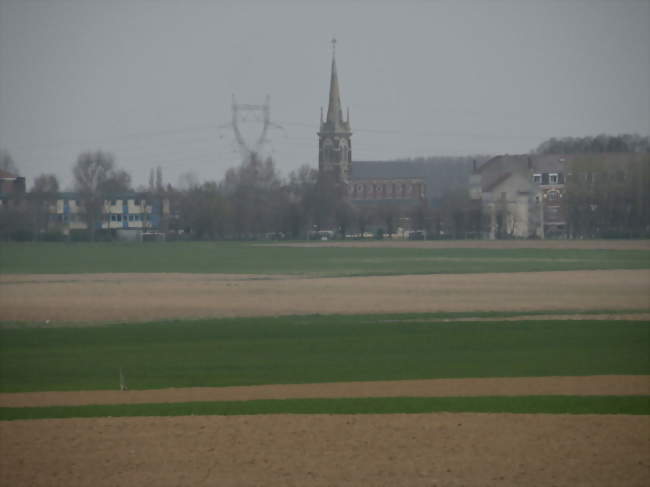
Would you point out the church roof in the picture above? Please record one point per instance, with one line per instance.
(440, 175)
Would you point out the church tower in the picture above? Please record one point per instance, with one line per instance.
(334, 144)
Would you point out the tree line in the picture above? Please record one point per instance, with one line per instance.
(254, 201)
(594, 145)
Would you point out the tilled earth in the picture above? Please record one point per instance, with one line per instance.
(439, 449)
(329, 450)
(141, 297)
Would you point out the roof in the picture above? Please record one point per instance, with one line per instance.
(73, 195)
(440, 174)
(7, 175)
(500, 168)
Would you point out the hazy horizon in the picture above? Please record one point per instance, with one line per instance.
(152, 81)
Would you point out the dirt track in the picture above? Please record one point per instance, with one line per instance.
(132, 297)
(510, 386)
(322, 450)
(487, 244)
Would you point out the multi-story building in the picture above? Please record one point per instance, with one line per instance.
(522, 195)
(127, 212)
(11, 187)
(552, 195)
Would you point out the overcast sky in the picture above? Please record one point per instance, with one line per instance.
(151, 80)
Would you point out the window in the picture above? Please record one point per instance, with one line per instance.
(113, 218)
(537, 178)
(553, 195)
(113, 202)
(131, 218)
(553, 178)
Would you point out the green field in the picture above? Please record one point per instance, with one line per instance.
(366, 405)
(242, 258)
(306, 349)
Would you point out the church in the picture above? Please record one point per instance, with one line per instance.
(363, 182)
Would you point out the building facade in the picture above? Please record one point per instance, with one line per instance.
(522, 196)
(11, 187)
(136, 212)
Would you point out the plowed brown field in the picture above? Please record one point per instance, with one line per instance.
(322, 450)
(131, 297)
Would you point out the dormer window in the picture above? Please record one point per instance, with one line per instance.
(553, 178)
(537, 178)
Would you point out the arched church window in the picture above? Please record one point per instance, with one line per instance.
(327, 150)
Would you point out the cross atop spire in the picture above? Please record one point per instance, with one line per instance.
(333, 46)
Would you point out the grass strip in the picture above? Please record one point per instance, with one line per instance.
(639, 405)
(244, 258)
(295, 350)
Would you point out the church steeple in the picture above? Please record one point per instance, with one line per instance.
(334, 136)
(334, 113)
(334, 120)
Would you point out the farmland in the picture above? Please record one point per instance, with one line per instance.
(273, 363)
(316, 259)
(308, 349)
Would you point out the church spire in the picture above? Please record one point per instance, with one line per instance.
(334, 112)
(334, 146)
(334, 120)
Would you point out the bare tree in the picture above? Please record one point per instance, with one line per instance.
(95, 179)
(159, 180)
(43, 194)
(7, 162)
(256, 196)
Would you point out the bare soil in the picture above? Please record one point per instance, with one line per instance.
(501, 386)
(484, 244)
(141, 297)
(322, 450)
